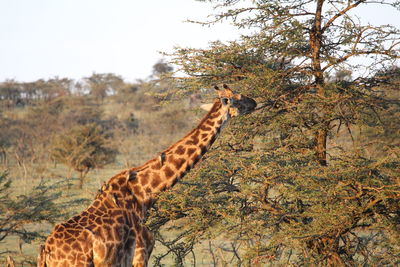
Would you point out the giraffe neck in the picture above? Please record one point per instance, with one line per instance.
(136, 189)
(172, 164)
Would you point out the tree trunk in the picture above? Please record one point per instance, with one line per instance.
(320, 146)
(82, 176)
(80, 186)
(315, 46)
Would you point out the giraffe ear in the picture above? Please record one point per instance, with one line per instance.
(207, 107)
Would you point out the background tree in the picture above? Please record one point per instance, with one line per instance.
(161, 85)
(293, 184)
(9, 93)
(161, 67)
(55, 87)
(102, 84)
(83, 148)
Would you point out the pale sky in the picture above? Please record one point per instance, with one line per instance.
(74, 38)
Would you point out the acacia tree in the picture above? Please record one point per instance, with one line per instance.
(292, 184)
(9, 93)
(83, 148)
(53, 88)
(101, 84)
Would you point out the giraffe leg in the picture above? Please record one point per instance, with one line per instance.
(143, 248)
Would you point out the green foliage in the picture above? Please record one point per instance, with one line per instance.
(44, 203)
(310, 178)
(279, 206)
(83, 148)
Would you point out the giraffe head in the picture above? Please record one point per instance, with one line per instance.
(237, 104)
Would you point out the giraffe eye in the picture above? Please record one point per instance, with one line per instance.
(225, 101)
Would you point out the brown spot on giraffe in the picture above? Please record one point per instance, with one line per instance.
(169, 173)
(110, 231)
(190, 151)
(155, 180)
(180, 150)
(205, 128)
(214, 115)
(156, 166)
(122, 181)
(144, 178)
(210, 122)
(178, 163)
(115, 187)
(96, 204)
(189, 142)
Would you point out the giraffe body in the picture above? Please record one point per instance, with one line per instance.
(110, 232)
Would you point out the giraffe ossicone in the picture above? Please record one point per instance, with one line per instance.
(110, 232)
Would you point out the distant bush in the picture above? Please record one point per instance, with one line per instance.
(83, 148)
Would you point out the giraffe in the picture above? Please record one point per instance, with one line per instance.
(111, 232)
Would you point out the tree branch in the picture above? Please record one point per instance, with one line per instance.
(358, 53)
(341, 13)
